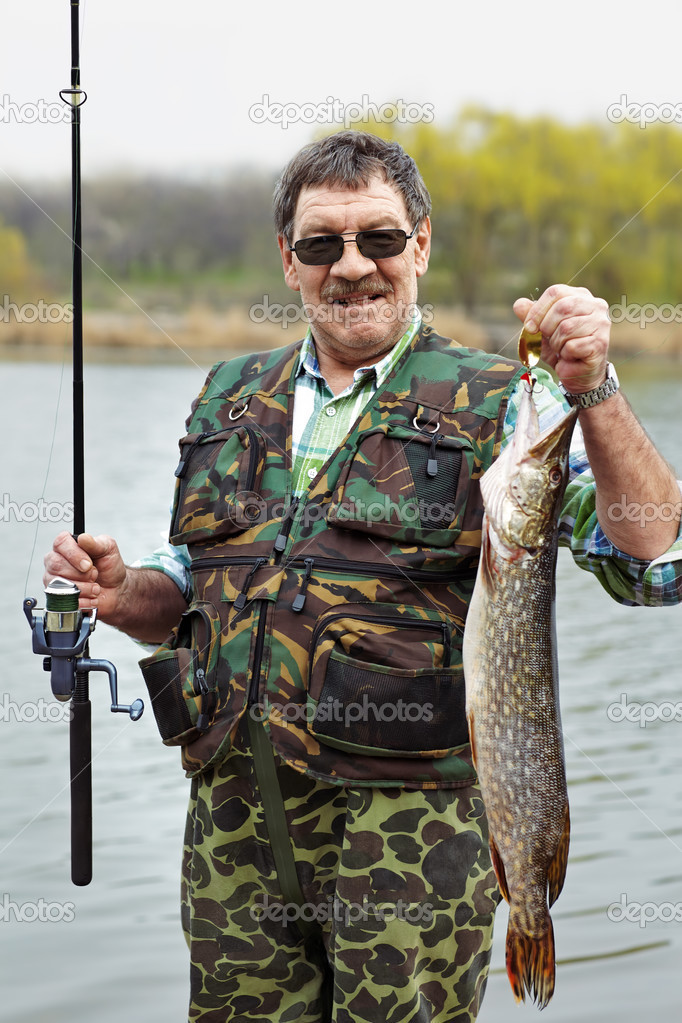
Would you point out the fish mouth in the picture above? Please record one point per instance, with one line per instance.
(556, 441)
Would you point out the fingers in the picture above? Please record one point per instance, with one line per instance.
(522, 307)
(90, 563)
(576, 327)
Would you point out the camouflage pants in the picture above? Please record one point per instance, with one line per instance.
(399, 880)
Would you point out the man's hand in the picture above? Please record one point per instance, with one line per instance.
(575, 330)
(141, 602)
(94, 564)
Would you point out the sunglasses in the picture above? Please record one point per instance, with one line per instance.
(324, 249)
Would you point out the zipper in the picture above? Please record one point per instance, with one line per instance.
(339, 565)
(432, 463)
(257, 657)
(180, 471)
(253, 452)
(196, 566)
(241, 598)
(410, 623)
(200, 684)
(388, 571)
(299, 600)
(285, 529)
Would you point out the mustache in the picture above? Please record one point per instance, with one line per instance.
(365, 286)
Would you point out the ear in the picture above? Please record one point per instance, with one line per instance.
(423, 247)
(288, 264)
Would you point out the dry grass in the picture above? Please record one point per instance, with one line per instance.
(203, 329)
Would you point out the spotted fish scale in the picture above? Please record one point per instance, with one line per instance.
(510, 667)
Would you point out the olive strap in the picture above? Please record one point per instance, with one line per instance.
(280, 842)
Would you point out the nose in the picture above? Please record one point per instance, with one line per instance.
(352, 264)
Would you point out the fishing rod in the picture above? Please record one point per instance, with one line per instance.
(61, 630)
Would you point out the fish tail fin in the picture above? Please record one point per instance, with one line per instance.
(557, 868)
(530, 963)
(498, 866)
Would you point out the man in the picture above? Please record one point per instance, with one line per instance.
(326, 529)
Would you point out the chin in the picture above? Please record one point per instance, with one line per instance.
(374, 337)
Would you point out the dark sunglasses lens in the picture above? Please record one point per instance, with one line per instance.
(318, 251)
(381, 244)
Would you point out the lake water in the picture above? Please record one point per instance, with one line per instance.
(114, 950)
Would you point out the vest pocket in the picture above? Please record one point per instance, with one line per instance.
(405, 486)
(218, 484)
(181, 676)
(362, 698)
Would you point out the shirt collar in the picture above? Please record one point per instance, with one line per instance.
(308, 363)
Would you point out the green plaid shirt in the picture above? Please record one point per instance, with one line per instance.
(322, 420)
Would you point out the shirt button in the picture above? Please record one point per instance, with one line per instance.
(331, 411)
(312, 473)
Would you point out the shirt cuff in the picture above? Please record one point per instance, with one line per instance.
(173, 562)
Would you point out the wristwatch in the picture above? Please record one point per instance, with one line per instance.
(598, 394)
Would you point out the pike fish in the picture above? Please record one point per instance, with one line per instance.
(510, 668)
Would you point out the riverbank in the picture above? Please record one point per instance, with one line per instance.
(204, 330)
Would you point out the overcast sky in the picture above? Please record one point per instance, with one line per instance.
(179, 87)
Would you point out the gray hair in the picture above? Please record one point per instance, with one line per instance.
(349, 159)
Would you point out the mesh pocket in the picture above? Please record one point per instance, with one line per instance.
(181, 678)
(390, 710)
(435, 491)
(164, 677)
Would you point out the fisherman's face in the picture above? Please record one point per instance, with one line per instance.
(358, 308)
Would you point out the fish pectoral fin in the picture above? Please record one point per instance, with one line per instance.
(498, 867)
(472, 740)
(530, 963)
(557, 868)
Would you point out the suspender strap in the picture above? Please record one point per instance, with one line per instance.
(280, 842)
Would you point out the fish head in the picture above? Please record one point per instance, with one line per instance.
(522, 491)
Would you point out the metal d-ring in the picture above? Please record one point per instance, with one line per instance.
(240, 413)
(421, 429)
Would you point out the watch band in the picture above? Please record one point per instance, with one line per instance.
(598, 394)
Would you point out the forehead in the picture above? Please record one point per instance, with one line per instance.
(333, 208)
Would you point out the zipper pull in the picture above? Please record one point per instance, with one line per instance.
(180, 471)
(446, 645)
(432, 464)
(201, 689)
(200, 683)
(241, 598)
(285, 528)
(300, 596)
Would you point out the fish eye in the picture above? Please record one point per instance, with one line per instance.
(555, 476)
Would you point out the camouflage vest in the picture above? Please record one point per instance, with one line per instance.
(336, 619)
